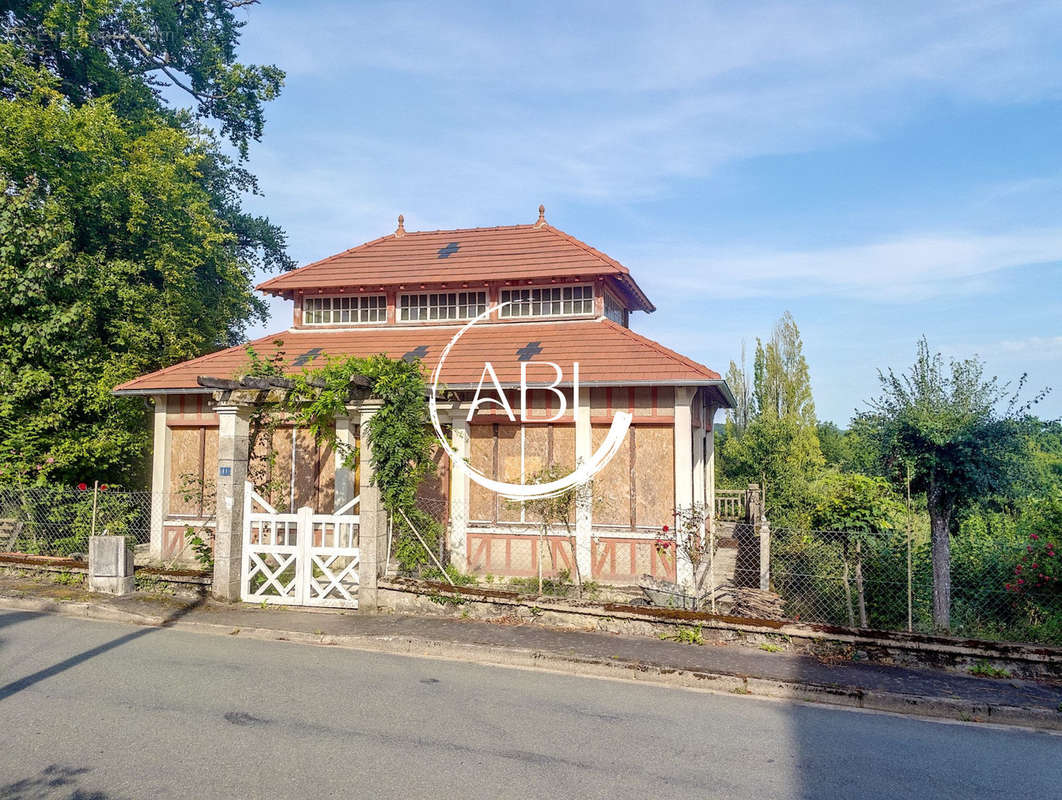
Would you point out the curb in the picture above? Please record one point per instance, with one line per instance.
(645, 672)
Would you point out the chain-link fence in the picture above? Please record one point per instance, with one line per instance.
(884, 581)
(58, 520)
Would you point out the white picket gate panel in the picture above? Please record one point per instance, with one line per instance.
(304, 559)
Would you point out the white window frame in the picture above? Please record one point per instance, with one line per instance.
(507, 312)
(472, 301)
(362, 310)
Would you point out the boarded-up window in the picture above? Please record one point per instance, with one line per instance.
(481, 457)
(654, 476)
(186, 471)
(612, 486)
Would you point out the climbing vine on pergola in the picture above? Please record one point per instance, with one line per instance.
(399, 432)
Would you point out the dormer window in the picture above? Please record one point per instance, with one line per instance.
(441, 306)
(344, 310)
(548, 301)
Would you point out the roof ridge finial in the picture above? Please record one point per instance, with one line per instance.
(401, 229)
(541, 216)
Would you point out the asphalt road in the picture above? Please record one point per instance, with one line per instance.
(94, 710)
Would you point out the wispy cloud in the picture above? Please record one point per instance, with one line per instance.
(612, 101)
(1031, 348)
(907, 268)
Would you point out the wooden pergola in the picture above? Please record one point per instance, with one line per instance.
(234, 401)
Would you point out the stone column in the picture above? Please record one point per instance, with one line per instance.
(709, 460)
(160, 477)
(584, 505)
(344, 481)
(231, 494)
(372, 528)
(699, 454)
(460, 487)
(683, 473)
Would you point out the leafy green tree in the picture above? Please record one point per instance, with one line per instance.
(940, 421)
(778, 444)
(782, 387)
(849, 507)
(133, 50)
(123, 245)
(857, 503)
(784, 456)
(737, 418)
(832, 442)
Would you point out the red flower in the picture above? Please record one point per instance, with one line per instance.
(1034, 536)
(1021, 580)
(103, 488)
(665, 529)
(82, 487)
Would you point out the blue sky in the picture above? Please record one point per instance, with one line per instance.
(881, 171)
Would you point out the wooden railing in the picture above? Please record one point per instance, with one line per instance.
(731, 505)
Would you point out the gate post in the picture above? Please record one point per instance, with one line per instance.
(232, 477)
(459, 496)
(372, 522)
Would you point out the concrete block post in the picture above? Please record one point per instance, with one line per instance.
(110, 565)
(372, 527)
(231, 491)
(584, 501)
(460, 490)
(683, 474)
(765, 554)
(160, 477)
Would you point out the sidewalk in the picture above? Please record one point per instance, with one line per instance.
(730, 668)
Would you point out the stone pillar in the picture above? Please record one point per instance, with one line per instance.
(231, 495)
(709, 461)
(584, 505)
(160, 477)
(344, 481)
(699, 448)
(683, 473)
(372, 528)
(460, 488)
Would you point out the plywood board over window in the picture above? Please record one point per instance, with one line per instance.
(612, 486)
(654, 476)
(508, 469)
(481, 457)
(186, 471)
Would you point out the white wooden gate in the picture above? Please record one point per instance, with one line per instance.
(303, 559)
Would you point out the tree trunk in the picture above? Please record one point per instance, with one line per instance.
(859, 585)
(575, 562)
(848, 594)
(939, 525)
(541, 541)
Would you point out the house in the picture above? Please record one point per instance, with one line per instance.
(407, 294)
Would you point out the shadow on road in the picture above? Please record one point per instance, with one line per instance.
(56, 782)
(14, 617)
(22, 683)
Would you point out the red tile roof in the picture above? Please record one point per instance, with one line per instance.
(607, 353)
(514, 252)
